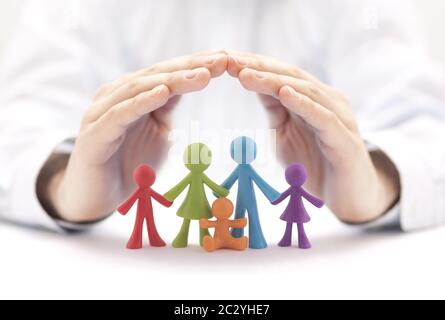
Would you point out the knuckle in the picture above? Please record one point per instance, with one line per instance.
(314, 91)
(342, 96)
(138, 100)
(132, 86)
(87, 118)
(295, 71)
(102, 90)
(261, 65)
(305, 101)
(283, 80)
(168, 78)
(152, 69)
(190, 61)
(90, 115)
(332, 118)
(352, 124)
(113, 115)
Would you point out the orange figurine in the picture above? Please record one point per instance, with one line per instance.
(222, 210)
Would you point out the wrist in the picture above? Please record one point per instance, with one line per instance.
(374, 188)
(388, 179)
(49, 181)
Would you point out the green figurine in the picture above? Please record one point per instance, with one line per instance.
(197, 158)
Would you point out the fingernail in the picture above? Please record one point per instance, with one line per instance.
(241, 61)
(158, 90)
(288, 89)
(189, 75)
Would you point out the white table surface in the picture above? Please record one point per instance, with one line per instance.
(344, 263)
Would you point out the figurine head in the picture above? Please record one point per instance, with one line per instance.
(197, 157)
(243, 150)
(144, 176)
(296, 175)
(222, 209)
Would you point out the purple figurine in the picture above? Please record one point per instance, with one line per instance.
(295, 212)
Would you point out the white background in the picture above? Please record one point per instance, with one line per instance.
(430, 10)
(345, 262)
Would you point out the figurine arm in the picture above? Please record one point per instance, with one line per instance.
(177, 190)
(230, 181)
(238, 223)
(283, 196)
(206, 224)
(221, 191)
(270, 193)
(159, 198)
(127, 205)
(312, 199)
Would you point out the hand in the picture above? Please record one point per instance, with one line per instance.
(126, 125)
(316, 127)
(204, 224)
(225, 193)
(243, 222)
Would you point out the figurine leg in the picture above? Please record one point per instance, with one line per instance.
(287, 238)
(237, 244)
(256, 236)
(240, 212)
(153, 235)
(135, 241)
(202, 234)
(209, 244)
(303, 241)
(181, 240)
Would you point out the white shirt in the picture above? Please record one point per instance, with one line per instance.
(371, 50)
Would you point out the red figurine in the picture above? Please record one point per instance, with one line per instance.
(145, 177)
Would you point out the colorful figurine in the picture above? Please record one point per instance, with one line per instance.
(197, 158)
(145, 177)
(222, 209)
(244, 151)
(295, 212)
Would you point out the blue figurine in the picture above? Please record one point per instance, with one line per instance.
(244, 152)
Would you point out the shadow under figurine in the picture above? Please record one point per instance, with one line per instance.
(222, 210)
(144, 176)
(295, 212)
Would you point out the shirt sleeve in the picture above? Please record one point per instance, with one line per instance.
(378, 58)
(58, 57)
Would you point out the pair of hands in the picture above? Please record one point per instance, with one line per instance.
(129, 119)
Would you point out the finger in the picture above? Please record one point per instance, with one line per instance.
(271, 83)
(115, 122)
(278, 115)
(179, 83)
(329, 128)
(163, 116)
(215, 61)
(239, 61)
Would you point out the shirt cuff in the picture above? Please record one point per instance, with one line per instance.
(417, 207)
(24, 205)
